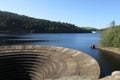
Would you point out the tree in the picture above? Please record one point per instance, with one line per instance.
(111, 37)
(112, 24)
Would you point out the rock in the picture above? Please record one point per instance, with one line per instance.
(115, 73)
(114, 76)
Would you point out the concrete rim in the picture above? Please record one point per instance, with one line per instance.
(58, 61)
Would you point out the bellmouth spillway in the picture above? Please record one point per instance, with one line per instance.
(35, 62)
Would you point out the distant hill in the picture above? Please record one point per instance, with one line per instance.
(91, 28)
(103, 29)
(15, 23)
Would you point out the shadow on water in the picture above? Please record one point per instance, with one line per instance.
(17, 40)
(108, 63)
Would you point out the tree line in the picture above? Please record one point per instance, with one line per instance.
(15, 23)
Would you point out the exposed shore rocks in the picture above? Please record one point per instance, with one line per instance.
(114, 76)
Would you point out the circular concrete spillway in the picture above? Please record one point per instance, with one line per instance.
(35, 62)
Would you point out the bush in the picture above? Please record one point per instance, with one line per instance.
(111, 37)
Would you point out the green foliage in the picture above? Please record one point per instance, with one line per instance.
(111, 37)
(14, 23)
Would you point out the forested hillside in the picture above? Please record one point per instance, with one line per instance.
(15, 23)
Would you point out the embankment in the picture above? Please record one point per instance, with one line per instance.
(115, 52)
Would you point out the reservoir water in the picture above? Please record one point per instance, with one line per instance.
(80, 42)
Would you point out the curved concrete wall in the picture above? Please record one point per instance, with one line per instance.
(27, 62)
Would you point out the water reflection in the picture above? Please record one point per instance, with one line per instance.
(17, 39)
(108, 63)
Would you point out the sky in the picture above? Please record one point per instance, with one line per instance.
(82, 13)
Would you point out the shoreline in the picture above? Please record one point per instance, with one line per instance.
(109, 49)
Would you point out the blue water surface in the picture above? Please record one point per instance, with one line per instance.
(76, 41)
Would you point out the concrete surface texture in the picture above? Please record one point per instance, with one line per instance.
(113, 50)
(35, 62)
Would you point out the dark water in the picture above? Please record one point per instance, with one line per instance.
(75, 41)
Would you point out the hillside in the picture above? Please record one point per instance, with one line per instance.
(15, 23)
